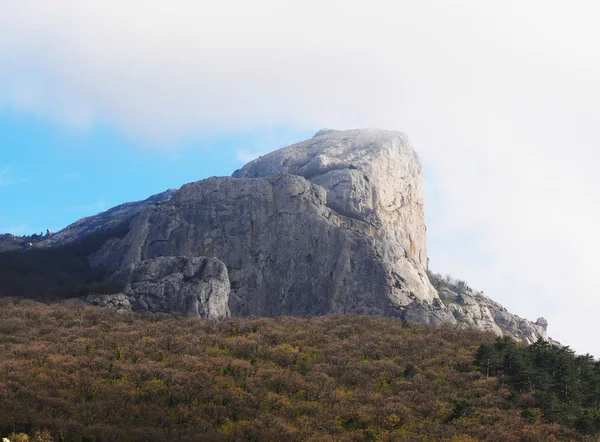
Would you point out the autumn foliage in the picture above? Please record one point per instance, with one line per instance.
(91, 374)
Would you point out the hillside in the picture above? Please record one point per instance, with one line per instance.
(88, 374)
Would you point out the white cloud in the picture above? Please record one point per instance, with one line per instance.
(500, 99)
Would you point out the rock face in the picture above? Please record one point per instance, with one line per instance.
(477, 310)
(333, 224)
(102, 222)
(373, 176)
(120, 301)
(193, 286)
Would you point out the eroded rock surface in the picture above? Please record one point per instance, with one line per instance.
(119, 301)
(474, 309)
(286, 251)
(371, 175)
(102, 222)
(194, 286)
(333, 224)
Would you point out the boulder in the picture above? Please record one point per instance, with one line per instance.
(118, 301)
(195, 286)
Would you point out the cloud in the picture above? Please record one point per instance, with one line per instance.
(499, 98)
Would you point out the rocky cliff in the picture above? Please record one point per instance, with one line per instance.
(474, 309)
(373, 176)
(104, 221)
(331, 225)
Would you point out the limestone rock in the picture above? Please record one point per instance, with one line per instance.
(370, 175)
(193, 286)
(542, 323)
(373, 177)
(119, 301)
(333, 224)
(477, 310)
(101, 222)
(285, 250)
(430, 314)
(323, 131)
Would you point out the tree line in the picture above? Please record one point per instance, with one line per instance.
(548, 382)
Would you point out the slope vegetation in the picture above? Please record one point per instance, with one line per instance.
(90, 374)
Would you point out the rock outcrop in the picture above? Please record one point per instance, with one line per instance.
(331, 225)
(193, 286)
(119, 301)
(474, 309)
(102, 222)
(373, 176)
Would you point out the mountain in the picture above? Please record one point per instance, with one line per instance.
(104, 221)
(101, 222)
(331, 225)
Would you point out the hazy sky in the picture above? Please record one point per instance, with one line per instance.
(120, 99)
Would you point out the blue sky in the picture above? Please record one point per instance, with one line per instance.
(52, 175)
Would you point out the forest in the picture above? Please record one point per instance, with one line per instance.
(548, 382)
(55, 273)
(71, 372)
